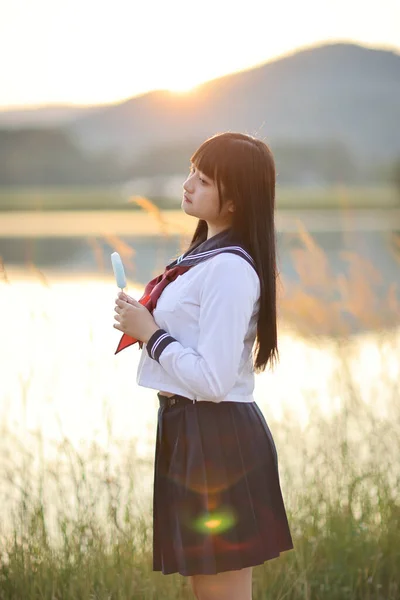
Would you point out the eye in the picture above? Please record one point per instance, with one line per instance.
(192, 170)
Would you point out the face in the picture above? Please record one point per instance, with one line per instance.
(201, 200)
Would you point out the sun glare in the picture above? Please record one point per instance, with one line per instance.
(182, 87)
(182, 81)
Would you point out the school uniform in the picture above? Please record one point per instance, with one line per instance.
(217, 502)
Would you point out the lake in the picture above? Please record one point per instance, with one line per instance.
(82, 241)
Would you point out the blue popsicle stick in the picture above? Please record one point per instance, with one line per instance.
(118, 269)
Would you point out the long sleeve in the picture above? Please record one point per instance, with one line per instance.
(227, 300)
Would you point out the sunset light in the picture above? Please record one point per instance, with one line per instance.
(93, 53)
(236, 465)
(182, 86)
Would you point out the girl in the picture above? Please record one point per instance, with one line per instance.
(218, 508)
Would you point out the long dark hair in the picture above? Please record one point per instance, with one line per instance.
(244, 169)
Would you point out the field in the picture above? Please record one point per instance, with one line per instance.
(118, 198)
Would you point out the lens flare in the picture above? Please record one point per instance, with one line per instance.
(214, 523)
(216, 481)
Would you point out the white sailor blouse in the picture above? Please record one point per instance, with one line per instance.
(208, 322)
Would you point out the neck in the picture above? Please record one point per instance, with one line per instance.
(212, 230)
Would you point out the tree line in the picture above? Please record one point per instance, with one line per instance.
(52, 157)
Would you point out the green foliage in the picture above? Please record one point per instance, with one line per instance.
(89, 539)
(395, 174)
(164, 160)
(336, 197)
(70, 198)
(49, 157)
(116, 198)
(46, 157)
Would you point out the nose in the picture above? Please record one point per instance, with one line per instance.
(187, 184)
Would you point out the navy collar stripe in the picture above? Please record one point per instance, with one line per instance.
(225, 241)
(199, 258)
(204, 254)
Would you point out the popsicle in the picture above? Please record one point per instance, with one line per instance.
(118, 269)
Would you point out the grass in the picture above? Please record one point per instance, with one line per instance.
(56, 198)
(76, 528)
(340, 196)
(117, 197)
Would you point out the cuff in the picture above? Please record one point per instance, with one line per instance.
(158, 342)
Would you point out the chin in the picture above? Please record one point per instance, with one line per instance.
(185, 206)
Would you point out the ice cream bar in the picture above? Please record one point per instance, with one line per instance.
(118, 269)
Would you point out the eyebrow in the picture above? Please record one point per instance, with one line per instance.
(205, 176)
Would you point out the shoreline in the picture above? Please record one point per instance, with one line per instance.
(28, 224)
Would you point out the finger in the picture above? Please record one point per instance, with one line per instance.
(134, 302)
(121, 303)
(117, 309)
(117, 318)
(116, 326)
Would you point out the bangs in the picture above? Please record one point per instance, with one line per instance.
(211, 158)
(223, 154)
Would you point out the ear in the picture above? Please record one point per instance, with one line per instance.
(231, 207)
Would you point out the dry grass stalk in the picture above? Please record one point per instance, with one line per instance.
(98, 253)
(3, 272)
(323, 302)
(40, 275)
(151, 209)
(125, 250)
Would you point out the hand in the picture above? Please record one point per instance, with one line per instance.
(133, 318)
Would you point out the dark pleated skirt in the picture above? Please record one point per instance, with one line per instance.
(217, 501)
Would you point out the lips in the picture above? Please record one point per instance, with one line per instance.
(186, 198)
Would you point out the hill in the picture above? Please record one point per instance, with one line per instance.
(337, 93)
(330, 113)
(42, 116)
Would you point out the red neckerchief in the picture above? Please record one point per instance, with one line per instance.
(222, 242)
(149, 299)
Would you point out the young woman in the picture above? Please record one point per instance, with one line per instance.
(218, 508)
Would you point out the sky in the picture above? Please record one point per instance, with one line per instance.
(95, 52)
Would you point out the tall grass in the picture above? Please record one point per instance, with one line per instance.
(76, 526)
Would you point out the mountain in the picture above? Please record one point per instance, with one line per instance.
(337, 101)
(340, 93)
(43, 116)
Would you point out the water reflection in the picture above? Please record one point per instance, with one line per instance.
(74, 420)
(60, 374)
